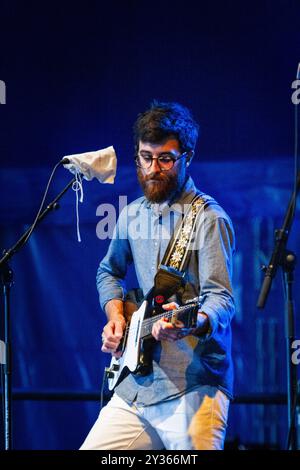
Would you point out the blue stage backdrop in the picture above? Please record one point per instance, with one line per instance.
(75, 79)
(56, 317)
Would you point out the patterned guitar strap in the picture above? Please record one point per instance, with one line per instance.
(169, 279)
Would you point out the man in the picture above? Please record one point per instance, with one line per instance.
(182, 403)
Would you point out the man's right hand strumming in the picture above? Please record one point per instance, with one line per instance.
(113, 331)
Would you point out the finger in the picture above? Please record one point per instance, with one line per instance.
(118, 331)
(167, 331)
(112, 333)
(166, 325)
(110, 339)
(155, 331)
(177, 323)
(108, 331)
(113, 328)
(159, 332)
(106, 350)
(109, 346)
(170, 306)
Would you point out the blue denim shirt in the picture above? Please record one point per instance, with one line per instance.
(141, 236)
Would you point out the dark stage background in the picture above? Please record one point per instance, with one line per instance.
(76, 76)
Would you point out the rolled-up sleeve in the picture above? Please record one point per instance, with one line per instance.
(215, 271)
(112, 269)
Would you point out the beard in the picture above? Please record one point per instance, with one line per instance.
(159, 187)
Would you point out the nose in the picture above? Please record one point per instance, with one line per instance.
(154, 166)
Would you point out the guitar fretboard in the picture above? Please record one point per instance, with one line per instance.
(168, 314)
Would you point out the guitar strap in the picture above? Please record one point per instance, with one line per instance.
(169, 279)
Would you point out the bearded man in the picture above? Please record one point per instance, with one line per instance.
(182, 402)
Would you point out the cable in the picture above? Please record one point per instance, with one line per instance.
(293, 422)
(42, 204)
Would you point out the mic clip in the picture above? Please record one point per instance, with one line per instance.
(65, 161)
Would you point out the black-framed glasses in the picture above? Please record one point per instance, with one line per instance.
(165, 161)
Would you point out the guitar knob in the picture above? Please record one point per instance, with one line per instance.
(115, 367)
(109, 373)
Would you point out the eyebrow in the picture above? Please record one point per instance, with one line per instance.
(169, 154)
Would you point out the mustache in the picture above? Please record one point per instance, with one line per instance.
(156, 177)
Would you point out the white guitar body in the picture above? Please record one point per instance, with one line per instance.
(131, 348)
(134, 357)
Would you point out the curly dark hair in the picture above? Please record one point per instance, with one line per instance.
(166, 120)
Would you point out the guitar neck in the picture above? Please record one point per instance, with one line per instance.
(169, 314)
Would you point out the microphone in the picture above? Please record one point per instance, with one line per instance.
(100, 164)
(64, 161)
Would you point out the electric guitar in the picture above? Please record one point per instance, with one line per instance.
(135, 344)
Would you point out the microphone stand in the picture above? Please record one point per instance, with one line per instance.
(287, 261)
(6, 275)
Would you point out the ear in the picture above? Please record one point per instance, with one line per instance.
(189, 157)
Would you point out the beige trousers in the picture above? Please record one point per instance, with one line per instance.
(195, 421)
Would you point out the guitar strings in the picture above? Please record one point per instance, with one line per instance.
(150, 321)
